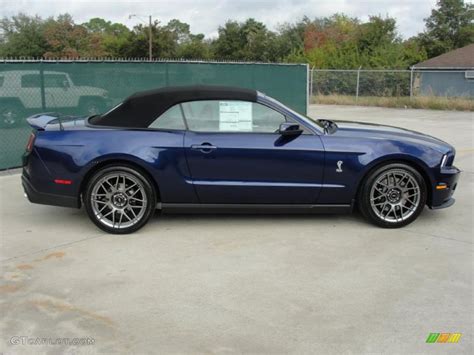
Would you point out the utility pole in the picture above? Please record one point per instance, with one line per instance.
(150, 39)
(150, 49)
(357, 88)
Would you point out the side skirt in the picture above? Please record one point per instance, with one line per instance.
(253, 208)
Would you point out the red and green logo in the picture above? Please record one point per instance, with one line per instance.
(443, 337)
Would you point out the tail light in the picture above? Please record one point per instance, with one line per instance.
(31, 141)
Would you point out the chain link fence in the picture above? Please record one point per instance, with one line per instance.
(392, 83)
(90, 87)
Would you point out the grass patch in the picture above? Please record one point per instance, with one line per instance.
(422, 102)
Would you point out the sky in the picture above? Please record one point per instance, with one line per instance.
(205, 16)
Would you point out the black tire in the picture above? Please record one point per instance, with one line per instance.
(11, 115)
(409, 202)
(113, 199)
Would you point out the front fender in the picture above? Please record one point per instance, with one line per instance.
(358, 157)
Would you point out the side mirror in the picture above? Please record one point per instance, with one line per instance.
(290, 129)
(66, 84)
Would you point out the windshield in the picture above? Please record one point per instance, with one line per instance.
(305, 118)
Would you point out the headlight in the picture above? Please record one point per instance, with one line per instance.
(444, 160)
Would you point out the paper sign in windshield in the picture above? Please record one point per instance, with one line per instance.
(235, 116)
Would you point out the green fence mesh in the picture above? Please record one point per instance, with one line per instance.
(83, 88)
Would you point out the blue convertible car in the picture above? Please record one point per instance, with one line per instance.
(221, 149)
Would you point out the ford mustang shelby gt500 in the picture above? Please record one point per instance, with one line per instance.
(222, 149)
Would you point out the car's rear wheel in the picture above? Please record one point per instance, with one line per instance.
(393, 195)
(119, 199)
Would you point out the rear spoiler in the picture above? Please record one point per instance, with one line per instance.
(41, 120)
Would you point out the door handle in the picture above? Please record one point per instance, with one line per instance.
(204, 147)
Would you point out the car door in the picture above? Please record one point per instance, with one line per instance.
(57, 91)
(236, 155)
(30, 91)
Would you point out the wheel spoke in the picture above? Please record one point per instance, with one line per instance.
(384, 185)
(120, 219)
(131, 186)
(108, 182)
(378, 190)
(110, 212)
(126, 215)
(134, 193)
(103, 208)
(133, 212)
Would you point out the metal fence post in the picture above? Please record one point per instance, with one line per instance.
(357, 88)
(311, 71)
(43, 94)
(411, 83)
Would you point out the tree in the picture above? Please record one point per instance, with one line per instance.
(114, 37)
(450, 26)
(68, 40)
(179, 30)
(229, 43)
(23, 36)
(196, 47)
(338, 41)
(249, 40)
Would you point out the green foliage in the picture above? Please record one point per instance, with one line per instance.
(22, 36)
(331, 42)
(450, 26)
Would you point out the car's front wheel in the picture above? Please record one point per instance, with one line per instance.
(393, 195)
(119, 199)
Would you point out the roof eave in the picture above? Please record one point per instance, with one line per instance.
(443, 68)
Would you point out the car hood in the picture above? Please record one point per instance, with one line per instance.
(377, 131)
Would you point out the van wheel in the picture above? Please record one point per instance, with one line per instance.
(10, 115)
(92, 106)
(119, 199)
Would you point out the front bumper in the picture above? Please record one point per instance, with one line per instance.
(35, 196)
(443, 198)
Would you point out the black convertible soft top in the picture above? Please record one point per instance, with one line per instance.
(142, 108)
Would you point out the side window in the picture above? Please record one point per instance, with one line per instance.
(231, 116)
(170, 119)
(2, 79)
(30, 81)
(55, 80)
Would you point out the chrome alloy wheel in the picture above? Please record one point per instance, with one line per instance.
(119, 200)
(395, 195)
